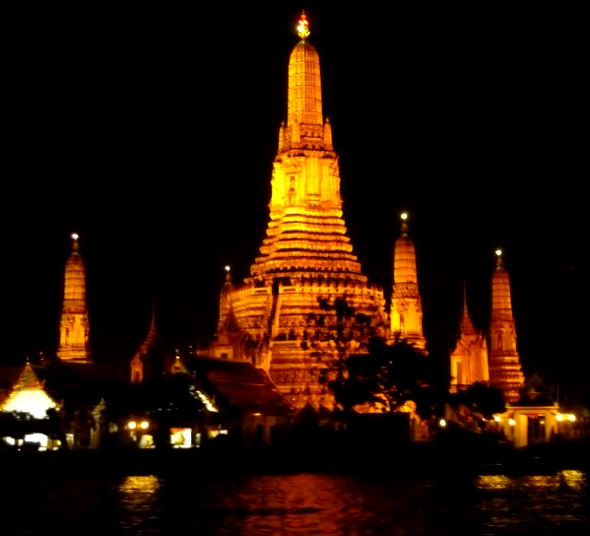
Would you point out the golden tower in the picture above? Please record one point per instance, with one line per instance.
(469, 359)
(504, 361)
(74, 327)
(406, 304)
(306, 257)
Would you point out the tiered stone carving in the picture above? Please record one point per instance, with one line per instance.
(74, 326)
(504, 361)
(406, 303)
(469, 359)
(306, 256)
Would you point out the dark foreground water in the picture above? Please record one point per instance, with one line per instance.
(303, 504)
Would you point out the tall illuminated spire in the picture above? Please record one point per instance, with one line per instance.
(306, 230)
(74, 326)
(504, 361)
(306, 258)
(406, 304)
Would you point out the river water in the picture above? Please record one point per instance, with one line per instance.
(302, 504)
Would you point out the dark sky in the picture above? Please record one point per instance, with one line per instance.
(151, 133)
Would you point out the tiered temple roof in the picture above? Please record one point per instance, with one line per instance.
(306, 257)
(74, 326)
(504, 361)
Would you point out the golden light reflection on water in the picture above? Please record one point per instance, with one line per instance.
(570, 478)
(139, 503)
(140, 484)
(492, 482)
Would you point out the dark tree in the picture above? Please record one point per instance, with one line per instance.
(481, 399)
(390, 375)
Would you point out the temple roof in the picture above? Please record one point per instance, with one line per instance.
(242, 385)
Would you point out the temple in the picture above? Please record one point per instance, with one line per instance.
(406, 304)
(469, 358)
(504, 361)
(28, 395)
(285, 313)
(74, 327)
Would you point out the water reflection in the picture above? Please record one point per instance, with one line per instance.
(139, 504)
(300, 504)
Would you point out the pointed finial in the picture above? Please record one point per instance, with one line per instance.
(404, 218)
(75, 239)
(499, 262)
(464, 296)
(227, 269)
(303, 26)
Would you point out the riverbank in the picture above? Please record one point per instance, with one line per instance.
(403, 461)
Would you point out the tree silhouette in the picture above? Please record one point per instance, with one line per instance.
(388, 377)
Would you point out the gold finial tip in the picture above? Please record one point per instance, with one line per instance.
(404, 216)
(499, 252)
(303, 26)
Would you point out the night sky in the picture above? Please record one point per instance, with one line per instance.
(151, 133)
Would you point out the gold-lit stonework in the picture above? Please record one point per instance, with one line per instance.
(469, 359)
(305, 257)
(74, 327)
(406, 304)
(28, 395)
(504, 361)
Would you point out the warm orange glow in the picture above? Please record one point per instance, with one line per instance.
(74, 324)
(503, 360)
(28, 395)
(306, 255)
(303, 27)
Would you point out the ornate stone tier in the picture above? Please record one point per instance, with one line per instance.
(306, 256)
(74, 325)
(504, 361)
(406, 303)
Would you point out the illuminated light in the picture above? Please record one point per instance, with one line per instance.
(404, 216)
(498, 252)
(33, 401)
(497, 419)
(206, 402)
(75, 236)
(144, 425)
(41, 439)
(180, 438)
(256, 414)
(303, 27)
(511, 422)
(571, 417)
(559, 417)
(227, 268)
(442, 423)
(132, 425)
